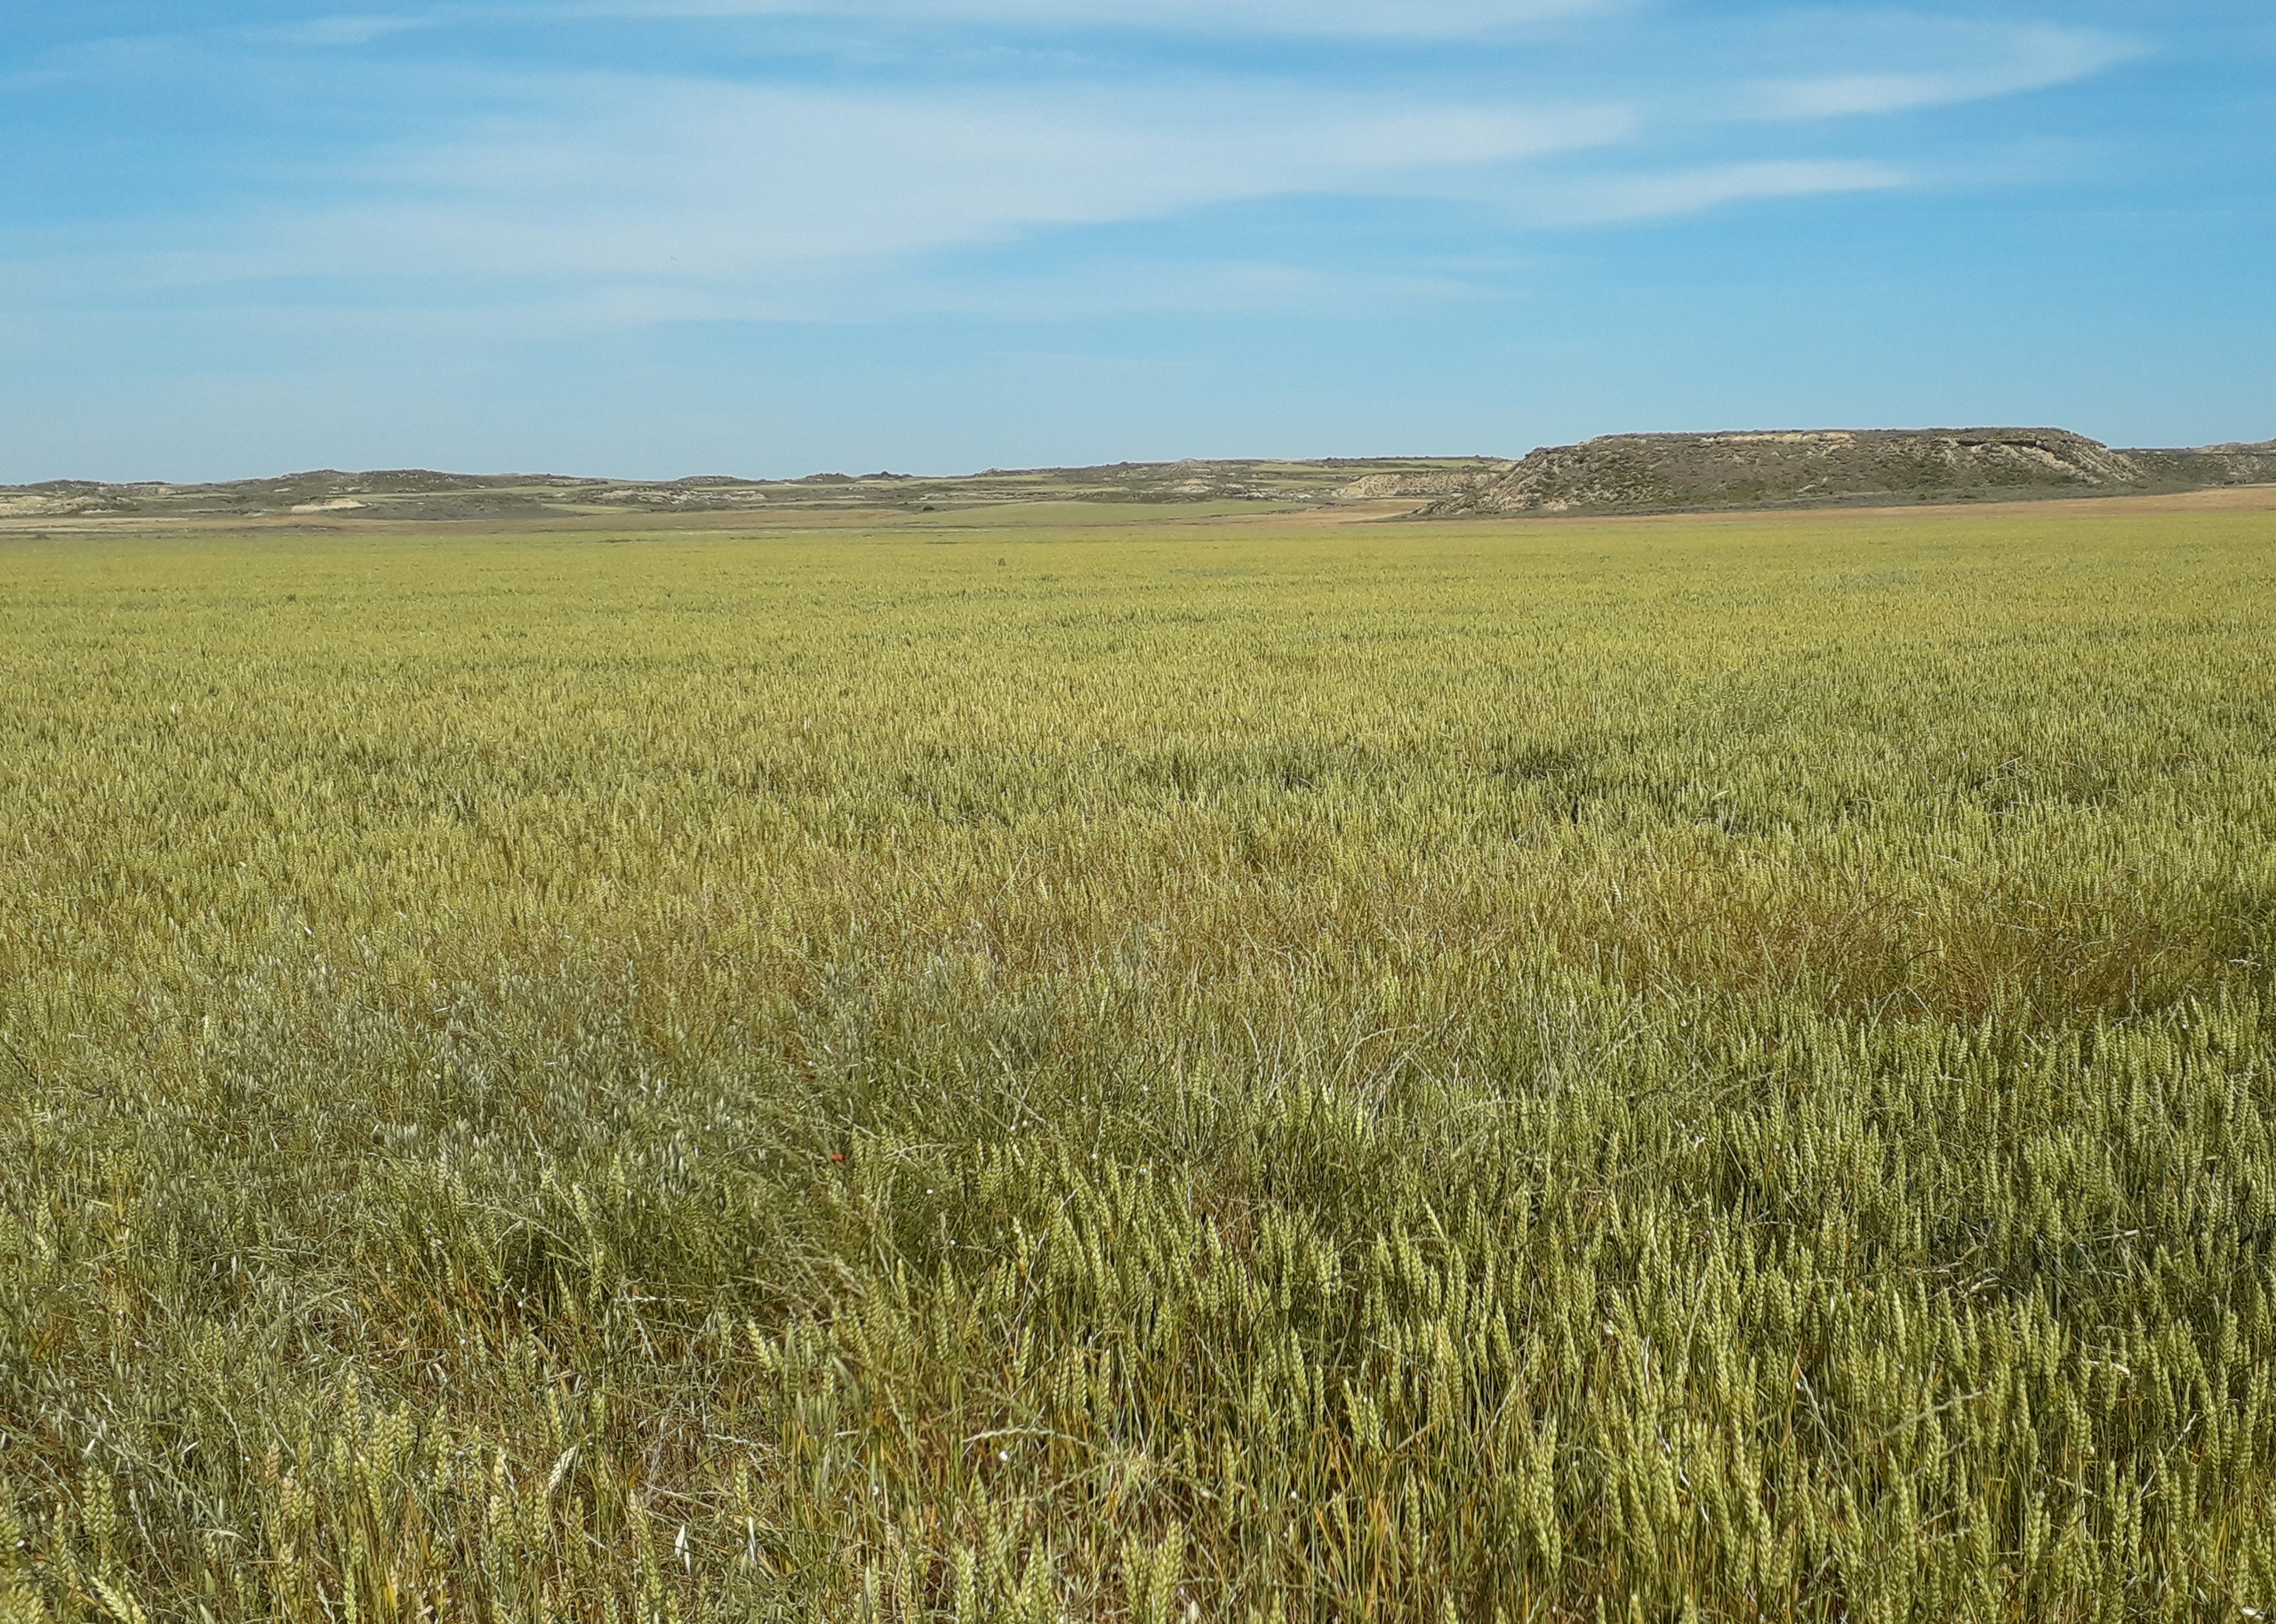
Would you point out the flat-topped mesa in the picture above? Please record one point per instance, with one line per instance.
(1754, 469)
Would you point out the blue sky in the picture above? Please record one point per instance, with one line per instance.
(659, 237)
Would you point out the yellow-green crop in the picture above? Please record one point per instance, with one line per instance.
(1603, 1072)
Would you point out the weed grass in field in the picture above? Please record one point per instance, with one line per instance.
(1611, 1073)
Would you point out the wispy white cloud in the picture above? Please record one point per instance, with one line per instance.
(1610, 199)
(1419, 20)
(703, 184)
(1440, 19)
(1194, 287)
(1926, 63)
(348, 29)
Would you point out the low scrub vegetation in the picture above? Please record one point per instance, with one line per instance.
(1618, 1074)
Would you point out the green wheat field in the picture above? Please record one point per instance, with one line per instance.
(1170, 1072)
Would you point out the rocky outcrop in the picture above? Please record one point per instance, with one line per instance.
(2212, 465)
(18, 505)
(54, 497)
(1636, 472)
(1452, 482)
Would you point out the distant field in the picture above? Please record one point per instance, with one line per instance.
(1611, 1071)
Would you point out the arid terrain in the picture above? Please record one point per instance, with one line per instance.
(1639, 472)
(1614, 474)
(327, 495)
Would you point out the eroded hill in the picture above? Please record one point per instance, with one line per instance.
(328, 494)
(1624, 473)
(1633, 472)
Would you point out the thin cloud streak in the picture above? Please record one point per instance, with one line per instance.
(1972, 62)
(345, 31)
(1360, 19)
(733, 185)
(1628, 198)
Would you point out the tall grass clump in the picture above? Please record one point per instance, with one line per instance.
(1612, 1074)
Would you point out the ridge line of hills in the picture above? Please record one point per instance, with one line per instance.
(1625, 473)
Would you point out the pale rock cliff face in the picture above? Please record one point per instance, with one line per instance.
(1627, 473)
(1375, 487)
(56, 497)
